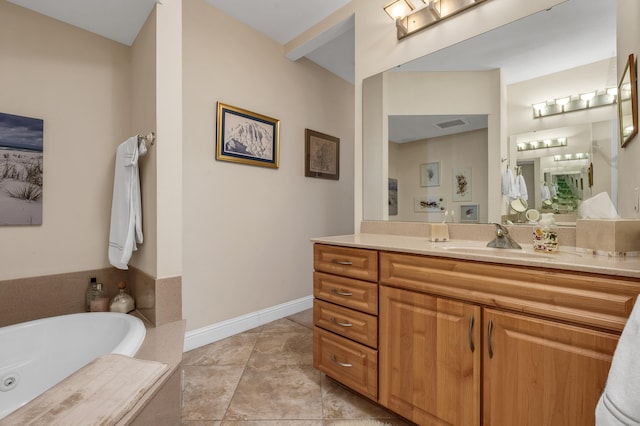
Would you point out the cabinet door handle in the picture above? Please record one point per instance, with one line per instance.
(343, 324)
(471, 345)
(489, 330)
(341, 292)
(342, 262)
(341, 364)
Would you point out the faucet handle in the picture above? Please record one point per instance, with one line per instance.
(501, 230)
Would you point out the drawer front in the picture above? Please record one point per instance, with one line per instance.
(352, 364)
(352, 324)
(361, 264)
(354, 294)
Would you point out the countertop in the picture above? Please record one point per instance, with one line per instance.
(568, 258)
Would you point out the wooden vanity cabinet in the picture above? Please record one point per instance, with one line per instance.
(345, 316)
(541, 356)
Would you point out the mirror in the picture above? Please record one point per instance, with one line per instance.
(628, 102)
(437, 88)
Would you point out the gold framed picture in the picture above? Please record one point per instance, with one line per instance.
(247, 137)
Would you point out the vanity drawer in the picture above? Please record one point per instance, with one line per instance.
(352, 364)
(352, 324)
(356, 263)
(355, 294)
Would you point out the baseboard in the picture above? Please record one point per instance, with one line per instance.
(214, 332)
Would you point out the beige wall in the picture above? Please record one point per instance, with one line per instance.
(246, 229)
(462, 150)
(80, 85)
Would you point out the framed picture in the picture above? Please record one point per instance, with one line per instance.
(322, 155)
(430, 174)
(462, 184)
(393, 197)
(21, 170)
(247, 137)
(628, 102)
(429, 204)
(469, 213)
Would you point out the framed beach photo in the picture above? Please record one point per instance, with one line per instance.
(430, 174)
(321, 155)
(469, 213)
(247, 137)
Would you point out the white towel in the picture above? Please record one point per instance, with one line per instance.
(544, 192)
(619, 404)
(521, 188)
(126, 213)
(508, 184)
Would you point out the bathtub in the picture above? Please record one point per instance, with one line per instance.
(36, 355)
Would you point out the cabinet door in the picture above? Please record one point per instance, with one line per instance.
(539, 372)
(429, 358)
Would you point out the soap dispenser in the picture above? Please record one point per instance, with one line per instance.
(92, 292)
(123, 302)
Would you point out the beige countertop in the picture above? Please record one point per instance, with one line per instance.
(568, 258)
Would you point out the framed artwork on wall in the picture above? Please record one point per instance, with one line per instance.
(247, 137)
(469, 213)
(430, 174)
(322, 155)
(628, 102)
(21, 170)
(393, 197)
(462, 184)
(429, 204)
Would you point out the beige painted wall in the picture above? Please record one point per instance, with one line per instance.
(246, 229)
(462, 150)
(80, 85)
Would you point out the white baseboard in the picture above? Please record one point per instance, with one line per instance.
(214, 332)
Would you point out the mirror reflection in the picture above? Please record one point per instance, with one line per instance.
(423, 165)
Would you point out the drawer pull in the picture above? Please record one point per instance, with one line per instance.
(341, 364)
(490, 329)
(342, 262)
(343, 324)
(341, 292)
(471, 345)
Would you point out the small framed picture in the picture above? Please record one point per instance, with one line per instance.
(322, 155)
(462, 184)
(469, 213)
(393, 197)
(430, 174)
(429, 204)
(247, 137)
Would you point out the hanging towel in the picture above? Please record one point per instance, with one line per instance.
(619, 404)
(521, 188)
(126, 208)
(508, 184)
(546, 195)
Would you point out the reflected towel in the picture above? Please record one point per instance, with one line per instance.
(521, 188)
(620, 401)
(126, 208)
(508, 184)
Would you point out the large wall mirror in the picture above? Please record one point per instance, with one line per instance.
(464, 112)
(628, 102)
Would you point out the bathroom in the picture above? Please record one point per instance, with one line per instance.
(93, 93)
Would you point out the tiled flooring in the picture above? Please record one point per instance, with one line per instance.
(265, 376)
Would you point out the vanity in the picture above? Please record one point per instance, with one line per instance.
(457, 333)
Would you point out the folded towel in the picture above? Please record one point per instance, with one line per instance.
(619, 404)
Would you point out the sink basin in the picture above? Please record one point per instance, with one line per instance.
(514, 253)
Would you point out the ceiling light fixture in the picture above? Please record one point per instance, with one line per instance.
(410, 18)
(569, 157)
(586, 100)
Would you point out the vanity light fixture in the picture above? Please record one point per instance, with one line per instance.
(593, 99)
(543, 144)
(412, 16)
(569, 157)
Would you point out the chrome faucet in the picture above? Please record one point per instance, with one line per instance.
(503, 240)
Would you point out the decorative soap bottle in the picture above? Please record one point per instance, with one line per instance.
(92, 292)
(545, 234)
(98, 300)
(123, 302)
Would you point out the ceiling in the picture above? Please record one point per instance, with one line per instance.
(570, 34)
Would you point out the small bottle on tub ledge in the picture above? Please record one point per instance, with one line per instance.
(123, 302)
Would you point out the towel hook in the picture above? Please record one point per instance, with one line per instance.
(149, 137)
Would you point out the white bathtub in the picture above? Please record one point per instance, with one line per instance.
(36, 355)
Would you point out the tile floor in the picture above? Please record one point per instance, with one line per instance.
(265, 376)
